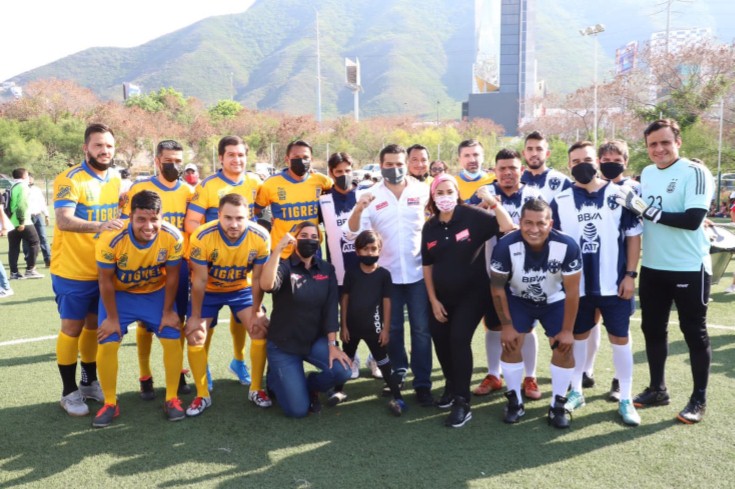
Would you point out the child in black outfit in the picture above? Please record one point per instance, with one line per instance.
(365, 305)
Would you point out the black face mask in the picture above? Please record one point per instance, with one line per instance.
(300, 166)
(367, 259)
(92, 161)
(611, 170)
(584, 173)
(307, 247)
(344, 182)
(170, 171)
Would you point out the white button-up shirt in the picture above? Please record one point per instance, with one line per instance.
(399, 222)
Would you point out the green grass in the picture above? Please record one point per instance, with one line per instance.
(358, 444)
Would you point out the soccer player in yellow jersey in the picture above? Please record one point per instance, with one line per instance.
(204, 205)
(85, 204)
(224, 255)
(139, 275)
(472, 176)
(175, 196)
(293, 194)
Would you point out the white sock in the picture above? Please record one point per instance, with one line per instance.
(529, 350)
(579, 351)
(560, 378)
(493, 349)
(623, 362)
(513, 373)
(593, 344)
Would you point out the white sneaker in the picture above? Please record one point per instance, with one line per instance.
(260, 399)
(74, 405)
(355, 367)
(374, 369)
(730, 289)
(6, 293)
(198, 405)
(92, 391)
(33, 273)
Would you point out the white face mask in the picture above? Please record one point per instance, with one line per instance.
(446, 203)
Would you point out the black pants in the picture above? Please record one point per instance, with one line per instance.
(40, 225)
(658, 290)
(453, 339)
(14, 239)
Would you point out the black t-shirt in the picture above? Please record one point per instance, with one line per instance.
(304, 304)
(456, 249)
(365, 304)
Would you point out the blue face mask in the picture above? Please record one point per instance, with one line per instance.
(472, 176)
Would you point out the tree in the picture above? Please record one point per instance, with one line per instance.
(225, 109)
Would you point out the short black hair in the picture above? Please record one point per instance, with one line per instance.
(392, 149)
(468, 143)
(231, 141)
(368, 237)
(168, 144)
(146, 199)
(19, 173)
(579, 145)
(536, 136)
(507, 154)
(536, 205)
(338, 158)
(660, 124)
(419, 147)
(94, 128)
(298, 142)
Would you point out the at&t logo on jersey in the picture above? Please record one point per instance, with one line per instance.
(348, 247)
(590, 239)
(534, 293)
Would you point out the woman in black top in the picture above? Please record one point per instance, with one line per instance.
(453, 256)
(303, 324)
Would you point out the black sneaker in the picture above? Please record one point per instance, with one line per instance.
(461, 413)
(315, 406)
(105, 415)
(146, 389)
(693, 412)
(559, 417)
(183, 388)
(650, 397)
(514, 410)
(398, 377)
(424, 397)
(588, 381)
(446, 400)
(614, 395)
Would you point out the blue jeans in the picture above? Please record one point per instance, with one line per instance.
(414, 296)
(4, 284)
(286, 377)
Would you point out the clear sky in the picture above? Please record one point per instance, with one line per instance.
(36, 32)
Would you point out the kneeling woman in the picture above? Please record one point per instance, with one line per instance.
(303, 325)
(453, 257)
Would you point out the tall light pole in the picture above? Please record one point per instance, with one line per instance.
(593, 30)
(318, 73)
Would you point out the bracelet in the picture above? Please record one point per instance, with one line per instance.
(332, 343)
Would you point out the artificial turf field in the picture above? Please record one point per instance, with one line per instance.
(357, 444)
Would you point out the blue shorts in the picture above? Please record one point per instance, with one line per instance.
(615, 311)
(182, 293)
(75, 299)
(214, 301)
(146, 308)
(524, 314)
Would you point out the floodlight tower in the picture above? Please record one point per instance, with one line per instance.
(352, 79)
(594, 30)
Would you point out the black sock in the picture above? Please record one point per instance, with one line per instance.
(700, 361)
(89, 373)
(656, 354)
(393, 381)
(68, 378)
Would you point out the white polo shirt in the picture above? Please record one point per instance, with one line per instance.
(399, 222)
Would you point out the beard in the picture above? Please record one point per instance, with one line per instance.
(534, 165)
(94, 163)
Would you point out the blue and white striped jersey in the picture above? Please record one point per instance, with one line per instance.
(549, 183)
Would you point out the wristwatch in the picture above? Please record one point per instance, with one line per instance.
(332, 343)
(632, 274)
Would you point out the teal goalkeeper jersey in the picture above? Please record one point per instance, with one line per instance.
(683, 185)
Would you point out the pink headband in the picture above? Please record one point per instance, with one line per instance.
(443, 178)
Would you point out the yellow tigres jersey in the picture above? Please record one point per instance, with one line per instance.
(174, 200)
(291, 202)
(467, 188)
(93, 199)
(214, 187)
(139, 267)
(229, 263)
